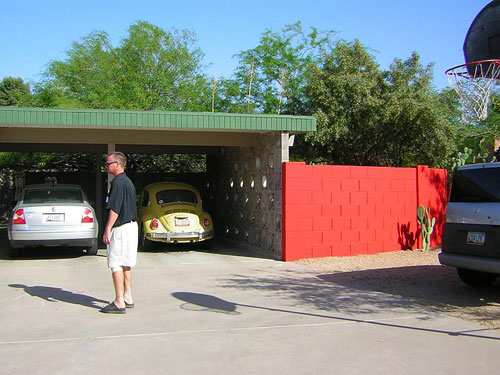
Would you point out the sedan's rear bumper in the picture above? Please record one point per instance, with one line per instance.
(179, 237)
(83, 242)
(56, 238)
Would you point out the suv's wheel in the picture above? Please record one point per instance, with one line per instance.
(476, 278)
(144, 243)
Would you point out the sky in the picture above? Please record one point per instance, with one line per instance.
(35, 32)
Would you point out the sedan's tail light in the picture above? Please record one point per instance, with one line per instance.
(18, 217)
(154, 224)
(206, 222)
(88, 216)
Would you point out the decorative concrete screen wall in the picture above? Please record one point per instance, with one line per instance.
(345, 210)
(245, 189)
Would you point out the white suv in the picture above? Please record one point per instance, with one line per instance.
(471, 237)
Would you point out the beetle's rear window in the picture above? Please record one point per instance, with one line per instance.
(476, 185)
(53, 196)
(176, 196)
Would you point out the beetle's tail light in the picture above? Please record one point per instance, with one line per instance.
(88, 216)
(206, 222)
(154, 224)
(18, 217)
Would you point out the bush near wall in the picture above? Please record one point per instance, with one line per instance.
(333, 210)
(6, 195)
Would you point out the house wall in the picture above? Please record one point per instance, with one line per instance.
(346, 210)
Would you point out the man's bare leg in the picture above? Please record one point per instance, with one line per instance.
(127, 293)
(118, 282)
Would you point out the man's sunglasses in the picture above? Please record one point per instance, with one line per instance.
(107, 164)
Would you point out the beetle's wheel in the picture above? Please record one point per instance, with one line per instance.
(144, 243)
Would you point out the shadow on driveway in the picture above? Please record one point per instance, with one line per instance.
(205, 302)
(51, 294)
(433, 287)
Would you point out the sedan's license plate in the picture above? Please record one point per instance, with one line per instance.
(476, 238)
(53, 218)
(181, 222)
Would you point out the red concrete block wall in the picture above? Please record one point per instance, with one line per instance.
(347, 210)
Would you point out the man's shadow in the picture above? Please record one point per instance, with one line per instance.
(51, 294)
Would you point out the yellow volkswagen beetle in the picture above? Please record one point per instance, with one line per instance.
(172, 212)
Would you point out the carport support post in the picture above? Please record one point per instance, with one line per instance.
(286, 142)
(111, 148)
(98, 193)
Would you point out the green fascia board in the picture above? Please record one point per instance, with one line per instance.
(96, 118)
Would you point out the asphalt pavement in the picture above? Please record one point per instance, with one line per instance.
(224, 311)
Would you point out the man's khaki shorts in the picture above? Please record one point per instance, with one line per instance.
(122, 249)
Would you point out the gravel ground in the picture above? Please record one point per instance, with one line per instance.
(415, 275)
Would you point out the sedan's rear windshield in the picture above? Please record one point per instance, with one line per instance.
(50, 195)
(476, 185)
(176, 196)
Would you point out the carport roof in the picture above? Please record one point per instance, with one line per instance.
(119, 119)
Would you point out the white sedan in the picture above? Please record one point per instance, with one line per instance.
(53, 215)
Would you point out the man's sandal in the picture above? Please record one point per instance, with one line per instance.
(113, 309)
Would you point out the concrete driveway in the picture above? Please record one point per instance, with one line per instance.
(220, 312)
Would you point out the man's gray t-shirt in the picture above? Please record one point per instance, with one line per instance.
(121, 199)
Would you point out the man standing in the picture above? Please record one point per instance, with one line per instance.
(120, 233)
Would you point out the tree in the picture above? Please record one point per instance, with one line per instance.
(270, 78)
(345, 93)
(14, 92)
(151, 69)
(415, 126)
(367, 116)
(478, 139)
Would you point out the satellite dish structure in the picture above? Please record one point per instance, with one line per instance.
(474, 80)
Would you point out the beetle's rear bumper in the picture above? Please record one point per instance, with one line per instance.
(180, 237)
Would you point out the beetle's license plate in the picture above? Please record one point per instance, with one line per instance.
(181, 222)
(476, 238)
(53, 218)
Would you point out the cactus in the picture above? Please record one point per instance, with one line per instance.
(427, 225)
(461, 158)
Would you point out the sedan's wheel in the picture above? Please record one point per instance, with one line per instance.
(13, 252)
(144, 243)
(476, 278)
(92, 250)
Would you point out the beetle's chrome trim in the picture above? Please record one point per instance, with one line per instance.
(180, 236)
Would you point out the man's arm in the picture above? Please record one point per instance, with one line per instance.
(107, 230)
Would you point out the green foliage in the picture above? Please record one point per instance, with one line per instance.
(14, 92)
(37, 161)
(41, 161)
(367, 116)
(462, 157)
(427, 226)
(270, 78)
(476, 140)
(416, 130)
(345, 92)
(151, 69)
(166, 163)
